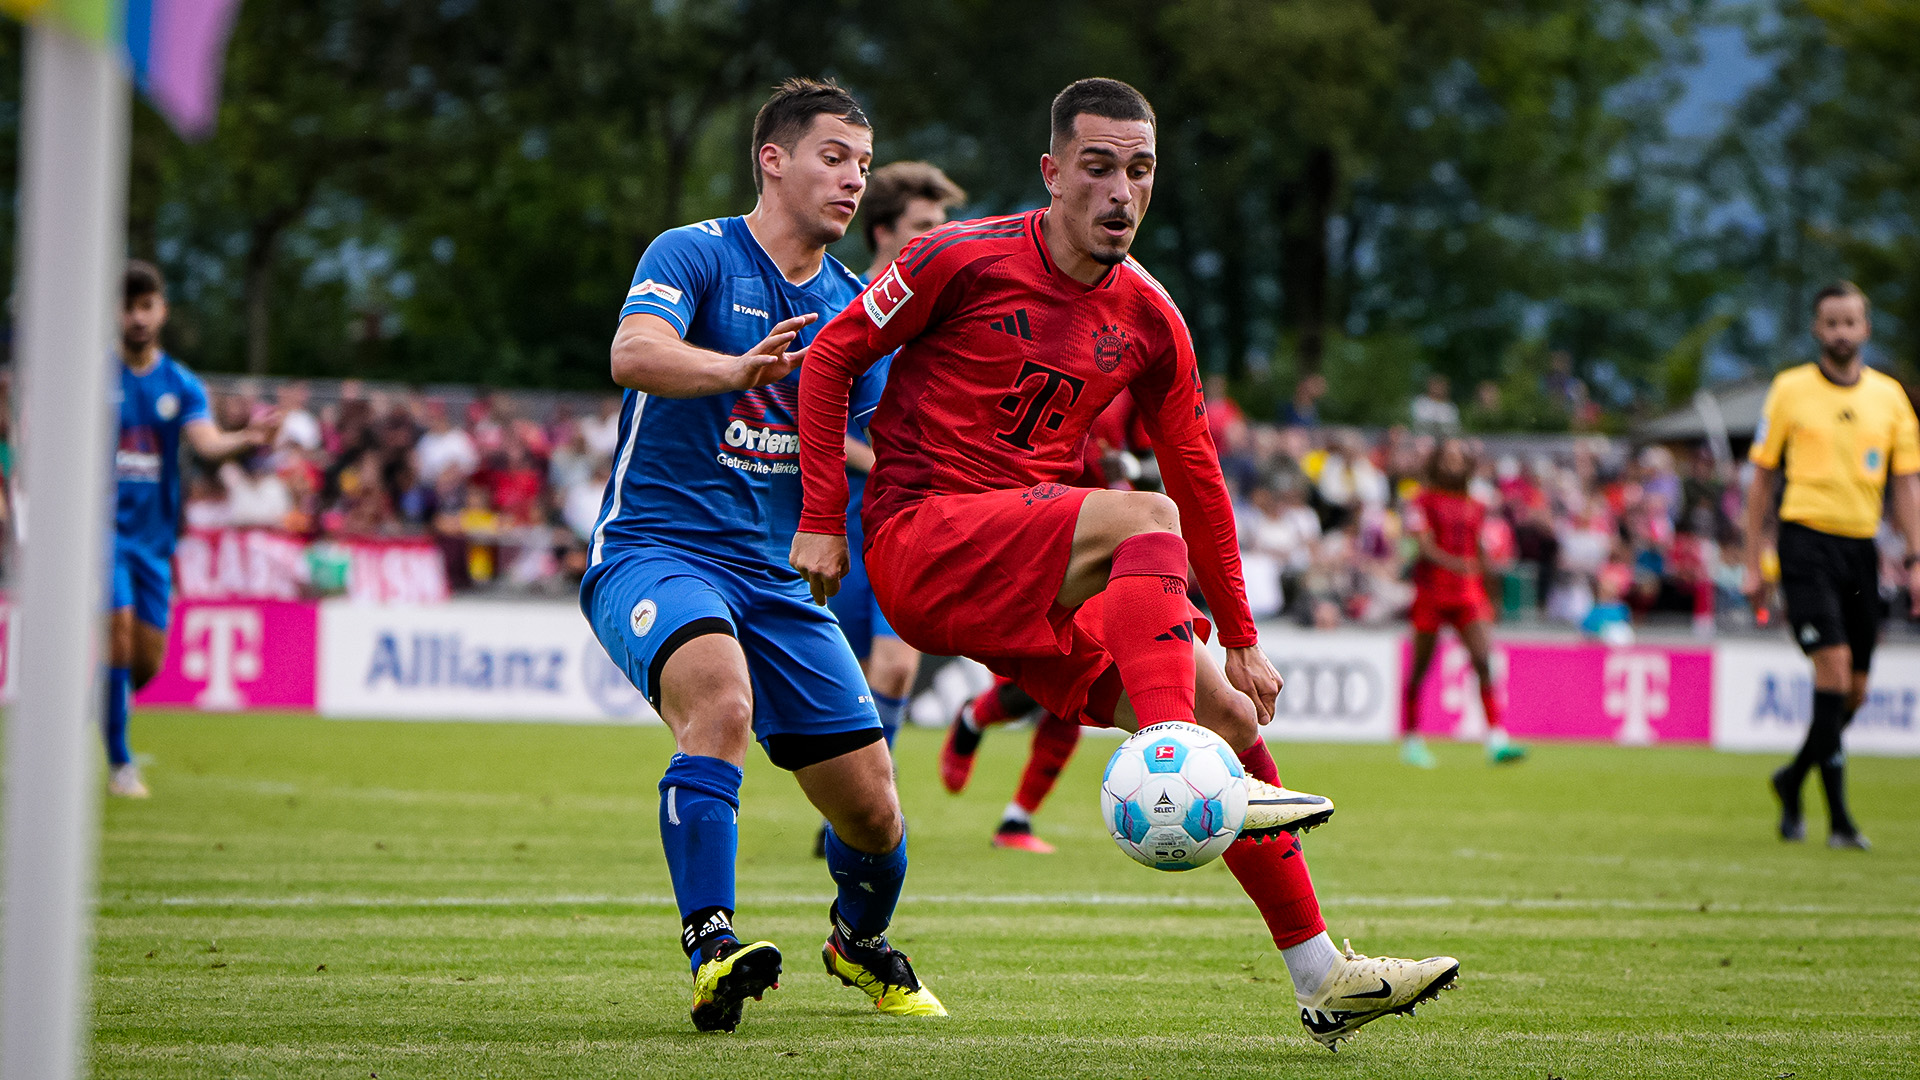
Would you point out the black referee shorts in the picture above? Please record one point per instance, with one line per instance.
(1832, 588)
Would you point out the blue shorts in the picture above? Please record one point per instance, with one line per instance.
(143, 581)
(857, 610)
(645, 602)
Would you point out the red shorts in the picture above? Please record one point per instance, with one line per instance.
(1432, 611)
(976, 576)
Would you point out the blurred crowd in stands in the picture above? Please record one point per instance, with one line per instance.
(1582, 530)
(509, 491)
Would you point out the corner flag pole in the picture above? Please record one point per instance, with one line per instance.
(73, 169)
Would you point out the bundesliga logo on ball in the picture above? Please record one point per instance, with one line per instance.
(1174, 796)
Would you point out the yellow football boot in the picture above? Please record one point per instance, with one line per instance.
(893, 987)
(736, 972)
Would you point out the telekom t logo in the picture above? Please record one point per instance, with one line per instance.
(1636, 694)
(223, 651)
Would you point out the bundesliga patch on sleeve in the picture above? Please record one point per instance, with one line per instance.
(886, 296)
(651, 287)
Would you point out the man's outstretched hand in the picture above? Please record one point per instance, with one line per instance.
(822, 560)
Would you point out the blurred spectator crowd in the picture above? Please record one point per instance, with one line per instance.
(1580, 530)
(508, 487)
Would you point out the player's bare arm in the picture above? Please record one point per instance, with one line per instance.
(650, 356)
(1759, 502)
(1906, 517)
(211, 444)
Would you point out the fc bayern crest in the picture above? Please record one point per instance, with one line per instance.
(1109, 345)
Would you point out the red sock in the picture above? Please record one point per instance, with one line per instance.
(1274, 874)
(1490, 701)
(988, 709)
(1258, 761)
(1053, 743)
(1147, 626)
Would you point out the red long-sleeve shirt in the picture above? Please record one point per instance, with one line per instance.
(1003, 364)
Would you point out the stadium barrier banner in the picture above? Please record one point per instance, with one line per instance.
(228, 656)
(474, 660)
(1340, 686)
(264, 564)
(1764, 700)
(1635, 695)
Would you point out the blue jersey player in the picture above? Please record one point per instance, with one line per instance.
(903, 200)
(161, 404)
(688, 587)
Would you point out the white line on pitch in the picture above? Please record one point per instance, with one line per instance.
(1021, 900)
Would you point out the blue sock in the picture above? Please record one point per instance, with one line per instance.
(700, 833)
(869, 887)
(891, 709)
(119, 704)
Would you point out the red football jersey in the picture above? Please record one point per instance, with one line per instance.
(1003, 365)
(1454, 521)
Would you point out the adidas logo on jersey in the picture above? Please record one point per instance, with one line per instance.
(1015, 324)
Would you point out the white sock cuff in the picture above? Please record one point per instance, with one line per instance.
(1309, 962)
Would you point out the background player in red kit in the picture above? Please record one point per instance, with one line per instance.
(1448, 590)
(1013, 334)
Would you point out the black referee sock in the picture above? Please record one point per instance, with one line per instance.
(1833, 780)
(1823, 734)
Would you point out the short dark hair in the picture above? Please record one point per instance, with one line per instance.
(1838, 289)
(790, 111)
(1109, 99)
(892, 187)
(141, 279)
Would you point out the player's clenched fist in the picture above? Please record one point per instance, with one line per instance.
(821, 559)
(1253, 674)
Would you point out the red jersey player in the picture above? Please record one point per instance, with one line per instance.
(1012, 335)
(1448, 591)
(1117, 436)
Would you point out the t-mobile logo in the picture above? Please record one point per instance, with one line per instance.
(1031, 403)
(223, 651)
(1636, 694)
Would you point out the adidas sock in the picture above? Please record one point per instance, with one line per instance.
(1147, 626)
(1054, 741)
(1015, 814)
(1490, 704)
(1823, 735)
(1310, 961)
(119, 708)
(890, 710)
(700, 834)
(1274, 876)
(869, 887)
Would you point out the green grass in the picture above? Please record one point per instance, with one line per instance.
(305, 898)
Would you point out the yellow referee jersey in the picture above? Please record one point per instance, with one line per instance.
(1838, 443)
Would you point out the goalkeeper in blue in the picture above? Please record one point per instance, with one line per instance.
(688, 587)
(162, 405)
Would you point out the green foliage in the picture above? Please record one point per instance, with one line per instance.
(308, 898)
(438, 189)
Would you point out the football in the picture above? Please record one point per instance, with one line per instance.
(1174, 796)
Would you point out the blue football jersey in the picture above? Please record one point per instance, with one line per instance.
(154, 408)
(718, 475)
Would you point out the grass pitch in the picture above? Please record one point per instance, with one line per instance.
(305, 898)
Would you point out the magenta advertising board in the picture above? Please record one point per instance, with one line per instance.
(232, 655)
(1635, 695)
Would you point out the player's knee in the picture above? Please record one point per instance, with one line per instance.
(721, 712)
(890, 673)
(1148, 512)
(874, 827)
(1237, 722)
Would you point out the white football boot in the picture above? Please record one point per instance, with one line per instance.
(1361, 989)
(125, 782)
(1274, 810)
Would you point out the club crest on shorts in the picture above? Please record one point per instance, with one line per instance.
(641, 618)
(1043, 492)
(1809, 634)
(167, 406)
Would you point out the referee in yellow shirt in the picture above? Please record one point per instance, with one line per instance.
(1837, 428)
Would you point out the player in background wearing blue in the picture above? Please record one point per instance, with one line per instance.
(903, 200)
(161, 402)
(688, 587)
